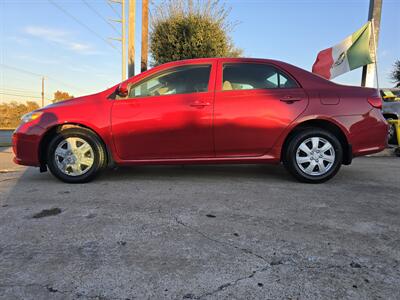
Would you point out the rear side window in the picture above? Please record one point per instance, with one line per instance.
(248, 76)
(180, 80)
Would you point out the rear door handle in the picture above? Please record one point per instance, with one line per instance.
(200, 104)
(290, 99)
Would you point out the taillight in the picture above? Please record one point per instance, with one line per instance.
(375, 102)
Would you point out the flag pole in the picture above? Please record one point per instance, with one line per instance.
(375, 53)
(374, 13)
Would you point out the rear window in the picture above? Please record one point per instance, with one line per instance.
(247, 76)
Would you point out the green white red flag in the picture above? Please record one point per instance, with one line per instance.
(353, 52)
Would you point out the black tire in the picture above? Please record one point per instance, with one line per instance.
(392, 134)
(289, 156)
(99, 154)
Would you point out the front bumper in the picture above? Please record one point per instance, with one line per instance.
(25, 144)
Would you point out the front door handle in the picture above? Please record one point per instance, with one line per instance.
(200, 104)
(290, 99)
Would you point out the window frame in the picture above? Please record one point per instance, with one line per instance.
(165, 71)
(279, 70)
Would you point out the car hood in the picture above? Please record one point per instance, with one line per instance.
(68, 102)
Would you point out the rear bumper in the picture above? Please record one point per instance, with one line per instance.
(367, 133)
(25, 144)
(371, 150)
(372, 139)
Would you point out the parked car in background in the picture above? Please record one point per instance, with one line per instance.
(205, 111)
(391, 111)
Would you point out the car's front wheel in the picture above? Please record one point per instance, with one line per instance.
(313, 155)
(75, 155)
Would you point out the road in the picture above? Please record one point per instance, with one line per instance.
(201, 232)
(5, 136)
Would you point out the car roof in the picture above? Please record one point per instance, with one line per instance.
(305, 78)
(210, 59)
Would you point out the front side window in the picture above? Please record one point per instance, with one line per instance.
(248, 76)
(180, 80)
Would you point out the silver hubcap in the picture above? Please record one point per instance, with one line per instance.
(315, 156)
(74, 156)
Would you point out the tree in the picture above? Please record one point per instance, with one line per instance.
(12, 112)
(395, 75)
(61, 96)
(181, 29)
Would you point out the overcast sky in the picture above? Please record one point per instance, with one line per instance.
(67, 42)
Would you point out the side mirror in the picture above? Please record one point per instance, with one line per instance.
(122, 89)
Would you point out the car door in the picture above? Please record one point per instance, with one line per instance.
(254, 103)
(167, 115)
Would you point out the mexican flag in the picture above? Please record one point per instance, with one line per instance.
(353, 52)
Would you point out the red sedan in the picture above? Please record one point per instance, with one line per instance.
(204, 111)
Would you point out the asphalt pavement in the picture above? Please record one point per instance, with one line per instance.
(5, 137)
(201, 232)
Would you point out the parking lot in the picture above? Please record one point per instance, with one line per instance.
(201, 232)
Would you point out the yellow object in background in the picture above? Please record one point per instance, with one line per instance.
(396, 123)
(388, 94)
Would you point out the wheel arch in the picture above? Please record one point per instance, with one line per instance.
(326, 125)
(393, 116)
(49, 134)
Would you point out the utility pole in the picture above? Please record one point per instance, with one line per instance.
(145, 35)
(121, 39)
(369, 71)
(42, 91)
(131, 38)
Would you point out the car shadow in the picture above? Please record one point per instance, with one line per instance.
(192, 172)
(186, 173)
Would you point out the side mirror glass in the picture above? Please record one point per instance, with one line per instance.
(122, 89)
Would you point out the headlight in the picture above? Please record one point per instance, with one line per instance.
(31, 116)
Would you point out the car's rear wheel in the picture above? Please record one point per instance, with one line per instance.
(313, 155)
(75, 155)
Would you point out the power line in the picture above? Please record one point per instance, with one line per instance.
(65, 84)
(100, 15)
(83, 24)
(122, 37)
(21, 91)
(40, 75)
(113, 8)
(20, 70)
(16, 95)
(18, 90)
